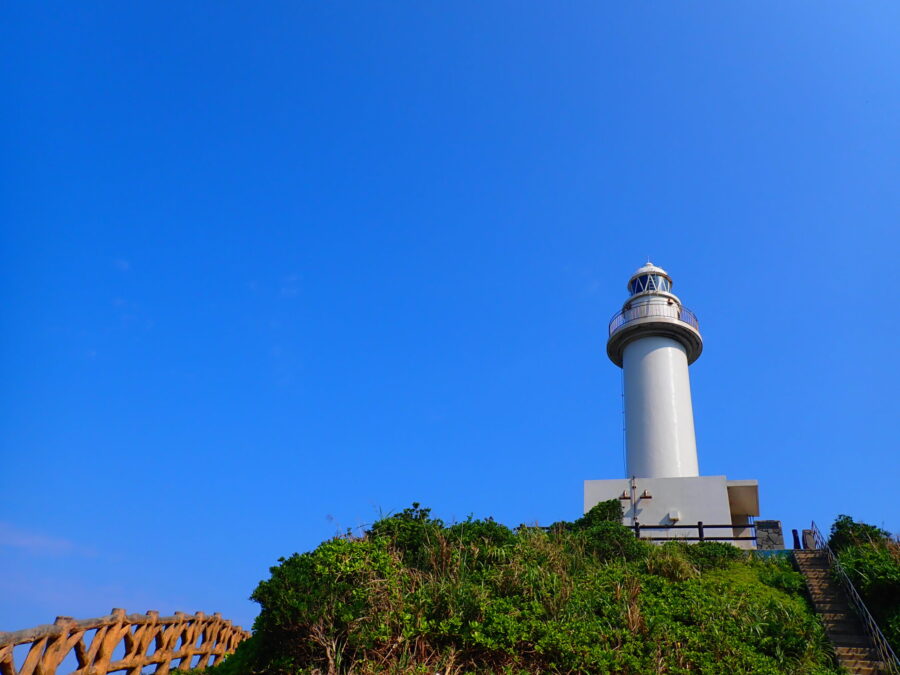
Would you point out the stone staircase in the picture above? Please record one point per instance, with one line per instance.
(852, 645)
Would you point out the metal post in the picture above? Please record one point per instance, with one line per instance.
(700, 530)
(637, 530)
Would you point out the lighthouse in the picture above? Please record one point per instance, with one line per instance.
(654, 339)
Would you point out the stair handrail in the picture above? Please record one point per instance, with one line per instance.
(888, 657)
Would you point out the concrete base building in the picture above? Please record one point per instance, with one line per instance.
(654, 339)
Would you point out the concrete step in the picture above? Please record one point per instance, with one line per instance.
(823, 607)
(824, 596)
(866, 669)
(856, 653)
(833, 598)
(827, 603)
(843, 627)
(844, 661)
(862, 666)
(821, 588)
(839, 616)
(848, 640)
(860, 663)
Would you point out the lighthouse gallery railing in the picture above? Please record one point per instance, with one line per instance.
(652, 309)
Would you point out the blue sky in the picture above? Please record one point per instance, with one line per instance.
(271, 270)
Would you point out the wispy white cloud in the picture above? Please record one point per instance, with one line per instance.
(35, 543)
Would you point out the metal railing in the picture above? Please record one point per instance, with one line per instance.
(887, 655)
(701, 529)
(649, 310)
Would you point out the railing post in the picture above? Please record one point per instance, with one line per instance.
(700, 530)
(637, 530)
(55, 649)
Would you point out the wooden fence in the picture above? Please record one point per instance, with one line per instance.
(149, 639)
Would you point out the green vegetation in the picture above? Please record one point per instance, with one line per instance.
(846, 532)
(414, 595)
(872, 561)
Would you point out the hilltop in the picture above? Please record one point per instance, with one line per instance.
(413, 595)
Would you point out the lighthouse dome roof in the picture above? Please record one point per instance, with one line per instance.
(649, 268)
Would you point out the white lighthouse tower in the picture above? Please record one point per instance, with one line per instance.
(654, 339)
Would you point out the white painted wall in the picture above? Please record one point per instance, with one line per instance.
(695, 499)
(659, 418)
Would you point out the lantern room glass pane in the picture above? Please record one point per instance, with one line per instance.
(650, 282)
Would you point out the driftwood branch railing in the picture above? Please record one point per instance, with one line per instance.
(149, 639)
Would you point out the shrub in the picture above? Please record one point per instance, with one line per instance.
(609, 511)
(488, 532)
(874, 569)
(413, 532)
(613, 541)
(324, 606)
(847, 532)
(669, 561)
(778, 572)
(708, 555)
